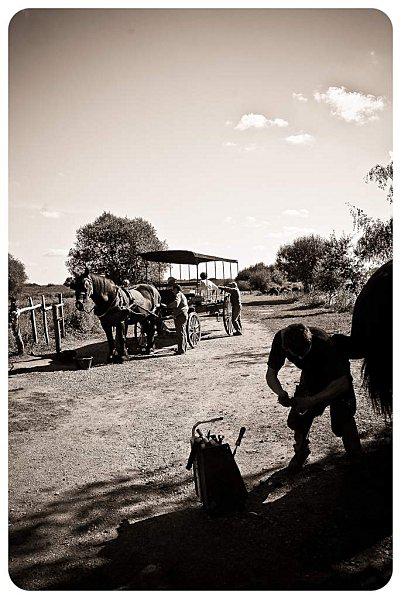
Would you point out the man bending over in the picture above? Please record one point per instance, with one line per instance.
(325, 381)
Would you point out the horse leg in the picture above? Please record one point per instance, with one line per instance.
(120, 341)
(108, 329)
(150, 328)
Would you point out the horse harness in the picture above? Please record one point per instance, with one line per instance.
(120, 300)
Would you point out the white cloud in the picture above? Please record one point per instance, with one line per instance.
(300, 97)
(228, 123)
(352, 106)
(259, 248)
(229, 220)
(258, 121)
(229, 144)
(56, 252)
(300, 139)
(44, 211)
(252, 221)
(279, 123)
(303, 212)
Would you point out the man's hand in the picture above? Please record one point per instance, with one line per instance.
(284, 399)
(303, 403)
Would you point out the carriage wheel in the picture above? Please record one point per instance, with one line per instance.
(139, 335)
(193, 329)
(228, 315)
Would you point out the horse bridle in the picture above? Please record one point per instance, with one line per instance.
(83, 296)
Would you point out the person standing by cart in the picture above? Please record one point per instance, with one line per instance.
(179, 309)
(235, 296)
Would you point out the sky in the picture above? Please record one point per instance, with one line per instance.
(232, 131)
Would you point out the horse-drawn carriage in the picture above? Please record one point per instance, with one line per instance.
(203, 295)
(144, 305)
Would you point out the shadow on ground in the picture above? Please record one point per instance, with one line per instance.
(52, 362)
(99, 351)
(305, 315)
(326, 528)
(270, 302)
(248, 357)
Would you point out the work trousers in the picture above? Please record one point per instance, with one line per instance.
(236, 316)
(180, 322)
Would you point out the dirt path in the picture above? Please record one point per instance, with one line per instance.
(90, 449)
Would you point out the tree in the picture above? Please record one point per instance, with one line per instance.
(383, 177)
(338, 267)
(376, 241)
(260, 276)
(16, 275)
(110, 246)
(298, 260)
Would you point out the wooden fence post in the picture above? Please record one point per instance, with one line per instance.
(33, 321)
(44, 316)
(56, 322)
(62, 321)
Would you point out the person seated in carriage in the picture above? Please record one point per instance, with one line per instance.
(235, 296)
(179, 309)
(208, 289)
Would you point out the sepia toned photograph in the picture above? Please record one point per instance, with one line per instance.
(200, 314)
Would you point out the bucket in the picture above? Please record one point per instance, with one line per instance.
(84, 363)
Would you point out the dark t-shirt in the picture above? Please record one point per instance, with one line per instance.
(321, 365)
(235, 296)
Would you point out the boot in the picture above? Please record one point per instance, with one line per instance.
(300, 457)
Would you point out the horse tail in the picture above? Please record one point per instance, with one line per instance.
(377, 378)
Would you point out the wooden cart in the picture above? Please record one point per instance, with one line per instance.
(200, 299)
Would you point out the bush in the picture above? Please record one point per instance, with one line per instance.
(80, 323)
(260, 280)
(244, 285)
(314, 299)
(343, 300)
(16, 275)
(261, 277)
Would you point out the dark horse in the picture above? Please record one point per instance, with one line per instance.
(117, 307)
(372, 337)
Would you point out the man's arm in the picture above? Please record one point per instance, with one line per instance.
(275, 385)
(334, 389)
(174, 303)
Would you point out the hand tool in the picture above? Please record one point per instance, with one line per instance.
(238, 441)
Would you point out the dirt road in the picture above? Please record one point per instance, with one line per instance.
(99, 494)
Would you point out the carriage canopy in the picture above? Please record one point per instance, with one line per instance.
(182, 257)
